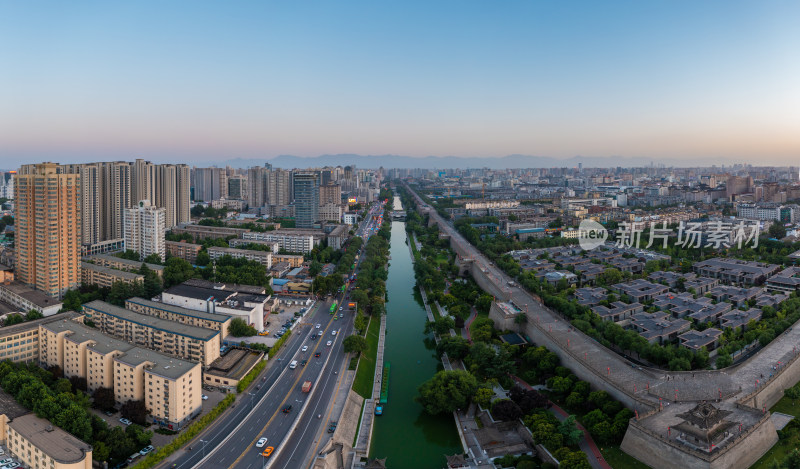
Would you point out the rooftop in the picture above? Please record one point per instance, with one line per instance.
(34, 296)
(107, 270)
(179, 310)
(154, 322)
(50, 439)
(162, 365)
(132, 264)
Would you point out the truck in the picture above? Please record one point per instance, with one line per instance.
(306, 386)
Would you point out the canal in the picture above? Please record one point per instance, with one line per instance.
(405, 434)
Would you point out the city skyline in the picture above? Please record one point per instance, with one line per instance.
(204, 84)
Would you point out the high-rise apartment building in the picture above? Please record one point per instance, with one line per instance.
(145, 226)
(209, 183)
(172, 192)
(237, 187)
(306, 198)
(330, 194)
(48, 228)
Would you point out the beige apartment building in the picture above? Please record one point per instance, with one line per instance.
(170, 387)
(184, 250)
(165, 336)
(48, 228)
(92, 274)
(114, 262)
(20, 342)
(36, 442)
(262, 257)
(216, 321)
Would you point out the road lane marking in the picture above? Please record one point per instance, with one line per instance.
(291, 390)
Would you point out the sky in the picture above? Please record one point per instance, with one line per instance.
(194, 82)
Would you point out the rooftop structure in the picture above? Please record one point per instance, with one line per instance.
(695, 340)
(736, 271)
(657, 328)
(640, 290)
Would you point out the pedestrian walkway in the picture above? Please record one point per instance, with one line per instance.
(365, 430)
(587, 444)
(465, 331)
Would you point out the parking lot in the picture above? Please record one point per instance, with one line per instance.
(286, 314)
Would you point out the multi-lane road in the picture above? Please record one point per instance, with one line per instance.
(299, 433)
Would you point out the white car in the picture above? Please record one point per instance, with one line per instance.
(205, 398)
(261, 442)
(329, 343)
(333, 332)
(125, 421)
(319, 325)
(305, 348)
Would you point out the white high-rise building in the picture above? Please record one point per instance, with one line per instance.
(145, 226)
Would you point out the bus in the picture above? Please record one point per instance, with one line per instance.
(342, 289)
(333, 307)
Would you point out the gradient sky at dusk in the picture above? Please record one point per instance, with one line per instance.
(193, 82)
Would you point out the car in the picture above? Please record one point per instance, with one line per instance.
(267, 451)
(303, 363)
(316, 355)
(6, 461)
(305, 348)
(107, 412)
(313, 336)
(333, 332)
(329, 343)
(341, 315)
(340, 308)
(205, 398)
(146, 450)
(287, 409)
(261, 442)
(125, 421)
(318, 326)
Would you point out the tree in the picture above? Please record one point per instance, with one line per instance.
(177, 271)
(203, 259)
(78, 383)
(440, 325)
(506, 410)
(574, 460)
(483, 397)
(456, 347)
(12, 319)
(135, 411)
(62, 385)
(104, 398)
(130, 255)
(239, 328)
(8, 220)
(777, 231)
(569, 428)
(447, 391)
(153, 259)
(355, 344)
(138, 434)
(100, 451)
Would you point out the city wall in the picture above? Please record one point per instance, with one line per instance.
(659, 451)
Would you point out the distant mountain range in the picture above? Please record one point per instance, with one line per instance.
(440, 162)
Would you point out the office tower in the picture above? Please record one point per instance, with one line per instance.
(237, 187)
(48, 228)
(306, 198)
(327, 177)
(145, 225)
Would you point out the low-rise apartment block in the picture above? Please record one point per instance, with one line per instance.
(787, 280)
(20, 342)
(114, 262)
(657, 328)
(218, 322)
(199, 232)
(170, 387)
(262, 257)
(36, 442)
(92, 274)
(183, 250)
(242, 243)
(696, 340)
(290, 241)
(618, 311)
(165, 336)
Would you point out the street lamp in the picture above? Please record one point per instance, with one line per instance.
(252, 401)
(204, 447)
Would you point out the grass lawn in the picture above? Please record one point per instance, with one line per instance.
(365, 376)
(782, 447)
(787, 406)
(618, 459)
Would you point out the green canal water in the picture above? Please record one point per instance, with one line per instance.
(404, 434)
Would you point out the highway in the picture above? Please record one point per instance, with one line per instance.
(295, 435)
